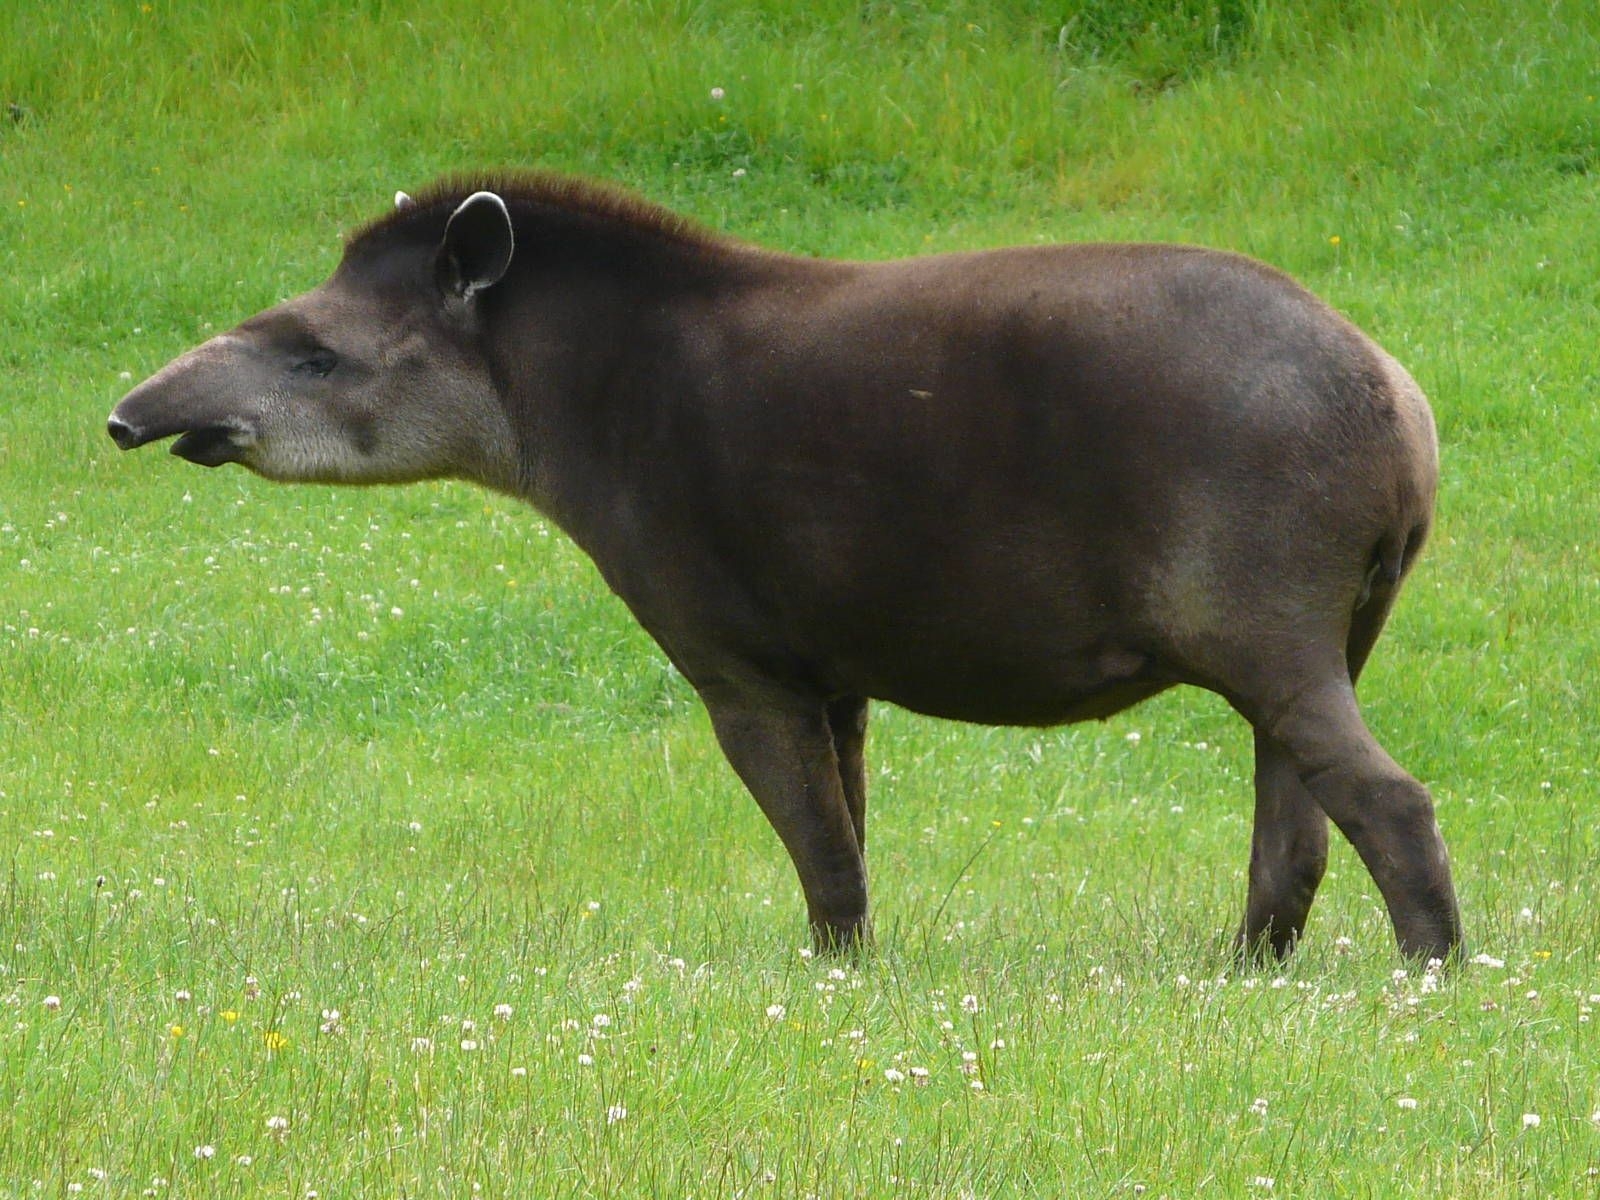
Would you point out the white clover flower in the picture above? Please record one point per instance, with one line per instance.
(616, 1113)
(468, 1045)
(969, 1003)
(502, 1012)
(1530, 1120)
(519, 1072)
(586, 1060)
(775, 1012)
(894, 1075)
(52, 1003)
(717, 93)
(244, 1160)
(277, 1124)
(205, 1152)
(600, 1020)
(421, 1045)
(1258, 1106)
(1406, 1102)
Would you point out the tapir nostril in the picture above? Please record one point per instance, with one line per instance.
(123, 434)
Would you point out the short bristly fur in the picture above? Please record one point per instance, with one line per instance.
(540, 194)
(1022, 486)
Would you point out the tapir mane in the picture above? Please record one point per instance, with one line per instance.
(533, 197)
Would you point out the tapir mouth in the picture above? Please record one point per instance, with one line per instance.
(209, 446)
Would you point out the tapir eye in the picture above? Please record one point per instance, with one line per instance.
(318, 363)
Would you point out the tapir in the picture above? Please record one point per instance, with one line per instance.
(1020, 486)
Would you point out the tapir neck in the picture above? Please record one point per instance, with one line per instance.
(602, 368)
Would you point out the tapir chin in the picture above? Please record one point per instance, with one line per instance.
(1020, 486)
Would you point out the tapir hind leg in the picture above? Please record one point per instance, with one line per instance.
(1288, 855)
(1387, 815)
(1289, 843)
(783, 748)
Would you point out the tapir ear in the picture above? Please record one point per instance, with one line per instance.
(401, 200)
(477, 246)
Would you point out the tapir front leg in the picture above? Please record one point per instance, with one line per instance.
(847, 717)
(782, 747)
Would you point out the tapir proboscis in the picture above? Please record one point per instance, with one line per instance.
(1019, 486)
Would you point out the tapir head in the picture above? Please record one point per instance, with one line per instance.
(376, 376)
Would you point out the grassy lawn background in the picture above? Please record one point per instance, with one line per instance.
(268, 754)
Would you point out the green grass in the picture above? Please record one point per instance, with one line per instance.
(397, 753)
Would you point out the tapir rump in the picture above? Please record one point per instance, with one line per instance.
(1021, 486)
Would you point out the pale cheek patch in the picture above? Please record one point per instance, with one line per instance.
(294, 446)
(304, 456)
(295, 449)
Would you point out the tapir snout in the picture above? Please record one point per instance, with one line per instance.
(205, 398)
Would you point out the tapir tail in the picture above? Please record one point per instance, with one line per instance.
(1393, 556)
(1397, 550)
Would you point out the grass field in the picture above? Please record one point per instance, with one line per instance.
(357, 844)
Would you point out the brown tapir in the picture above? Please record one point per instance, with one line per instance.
(1021, 486)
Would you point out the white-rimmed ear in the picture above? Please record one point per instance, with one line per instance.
(401, 200)
(477, 246)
